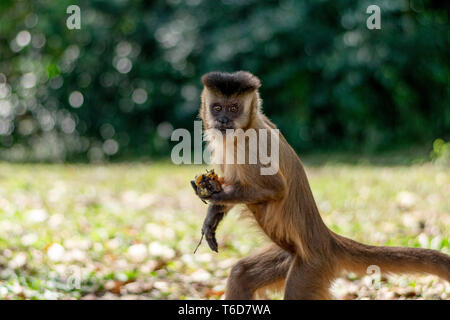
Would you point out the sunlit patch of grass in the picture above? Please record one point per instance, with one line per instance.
(129, 230)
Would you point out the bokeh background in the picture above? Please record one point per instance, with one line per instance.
(90, 204)
(119, 85)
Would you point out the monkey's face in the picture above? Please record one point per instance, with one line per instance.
(224, 113)
(228, 99)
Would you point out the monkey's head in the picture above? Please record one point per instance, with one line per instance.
(229, 100)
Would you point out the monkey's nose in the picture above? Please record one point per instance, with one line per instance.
(223, 120)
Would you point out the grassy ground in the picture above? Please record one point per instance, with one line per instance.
(129, 230)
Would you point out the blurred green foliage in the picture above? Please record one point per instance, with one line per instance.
(441, 152)
(120, 84)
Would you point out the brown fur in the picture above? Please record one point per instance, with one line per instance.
(306, 256)
(231, 83)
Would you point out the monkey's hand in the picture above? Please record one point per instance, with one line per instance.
(228, 194)
(236, 193)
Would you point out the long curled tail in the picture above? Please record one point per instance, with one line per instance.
(357, 257)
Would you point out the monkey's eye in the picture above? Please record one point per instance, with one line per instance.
(234, 108)
(217, 108)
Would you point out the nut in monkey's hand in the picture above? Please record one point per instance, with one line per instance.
(206, 184)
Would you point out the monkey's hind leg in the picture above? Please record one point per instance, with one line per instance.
(257, 271)
(308, 281)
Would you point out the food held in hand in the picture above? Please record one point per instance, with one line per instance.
(206, 184)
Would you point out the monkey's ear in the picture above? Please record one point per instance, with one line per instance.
(231, 83)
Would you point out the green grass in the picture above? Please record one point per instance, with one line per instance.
(129, 230)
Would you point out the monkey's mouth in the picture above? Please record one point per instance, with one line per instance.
(224, 128)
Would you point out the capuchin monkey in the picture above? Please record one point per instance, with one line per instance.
(305, 256)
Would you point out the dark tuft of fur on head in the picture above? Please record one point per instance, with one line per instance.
(231, 83)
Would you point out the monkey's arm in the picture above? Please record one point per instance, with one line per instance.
(274, 188)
